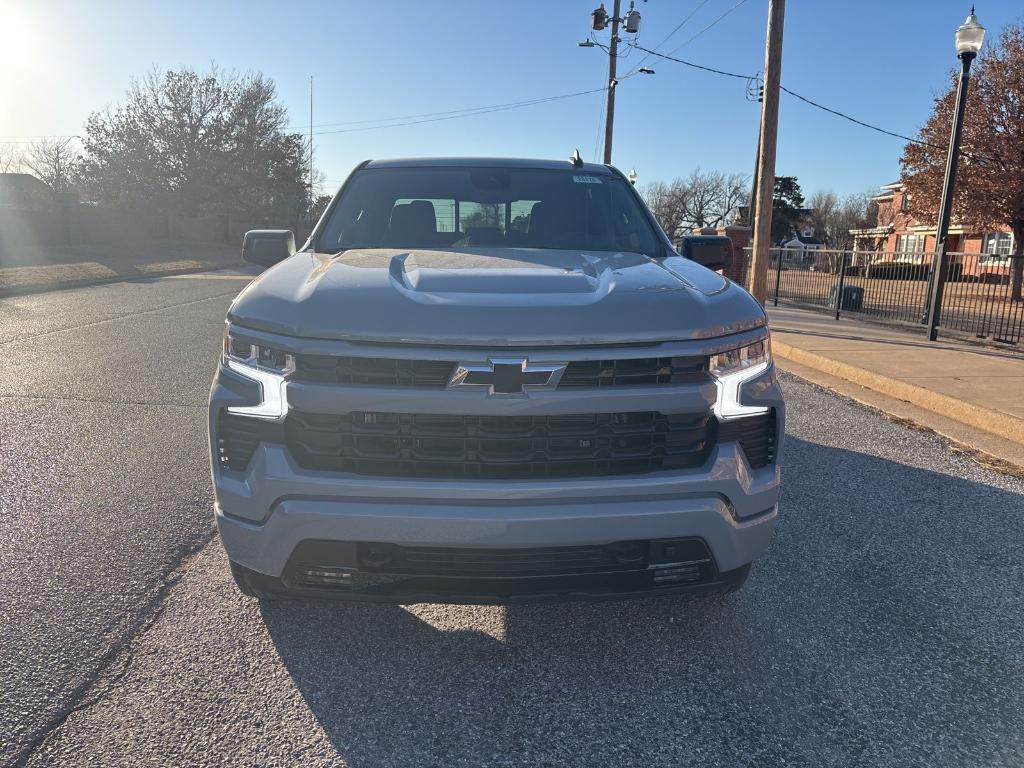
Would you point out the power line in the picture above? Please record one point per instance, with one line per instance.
(680, 25)
(468, 110)
(32, 139)
(695, 66)
(465, 113)
(812, 103)
(665, 39)
(709, 26)
(845, 116)
(41, 136)
(384, 122)
(597, 134)
(837, 113)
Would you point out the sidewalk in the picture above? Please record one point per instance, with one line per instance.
(972, 394)
(44, 269)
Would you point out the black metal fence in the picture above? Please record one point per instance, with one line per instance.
(893, 287)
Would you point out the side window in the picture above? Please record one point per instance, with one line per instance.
(628, 230)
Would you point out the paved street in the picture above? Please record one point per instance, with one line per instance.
(883, 627)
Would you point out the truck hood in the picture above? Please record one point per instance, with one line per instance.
(504, 297)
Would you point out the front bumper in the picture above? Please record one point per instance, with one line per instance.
(312, 578)
(272, 508)
(725, 505)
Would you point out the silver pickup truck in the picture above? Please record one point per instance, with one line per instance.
(492, 380)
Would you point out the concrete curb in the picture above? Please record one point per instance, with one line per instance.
(1002, 424)
(63, 285)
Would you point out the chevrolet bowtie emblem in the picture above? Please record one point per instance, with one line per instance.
(507, 376)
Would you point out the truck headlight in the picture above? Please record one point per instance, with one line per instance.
(732, 369)
(266, 365)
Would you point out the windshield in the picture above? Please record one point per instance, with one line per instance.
(475, 207)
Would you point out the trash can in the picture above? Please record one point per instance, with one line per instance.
(853, 297)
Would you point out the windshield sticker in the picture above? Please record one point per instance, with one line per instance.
(586, 179)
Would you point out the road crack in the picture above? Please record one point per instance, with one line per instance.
(112, 666)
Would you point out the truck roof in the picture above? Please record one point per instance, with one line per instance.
(489, 162)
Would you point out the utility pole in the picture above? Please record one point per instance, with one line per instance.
(613, 55)
(753, 186)
(766, 151)
(599, 20)
(311, 153)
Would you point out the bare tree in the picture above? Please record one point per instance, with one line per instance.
(735, 192)
(667, 202)
(53, 161)
(833, 218)
(11, 159)
(702, 199)
(823, 204)
(702, 208)
(856, 211)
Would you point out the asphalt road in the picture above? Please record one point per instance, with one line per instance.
(883, 627)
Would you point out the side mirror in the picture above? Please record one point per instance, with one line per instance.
(266, 247)
(711, 251)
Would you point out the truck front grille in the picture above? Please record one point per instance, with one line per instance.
(498, 447)
(435, 374)
(377, 371)
(531, 561)
(634, 373)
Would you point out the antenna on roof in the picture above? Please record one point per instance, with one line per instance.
(575, 159)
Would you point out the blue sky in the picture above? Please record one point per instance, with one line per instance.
(880, 61)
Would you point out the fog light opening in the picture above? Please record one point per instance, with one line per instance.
(676, 573)
(326, 575)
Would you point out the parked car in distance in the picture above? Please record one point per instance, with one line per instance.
(492, 380)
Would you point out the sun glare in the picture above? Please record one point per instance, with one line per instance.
(18, 53)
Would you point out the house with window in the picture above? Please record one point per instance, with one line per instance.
(903, 237)
(798, 249)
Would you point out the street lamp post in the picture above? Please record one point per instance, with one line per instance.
(969, 37)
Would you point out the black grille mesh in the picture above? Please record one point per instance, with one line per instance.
(755, 434)
(433, 446)
(640, 372)
(495, 447)
(645, 371)
(529, 561)
(382, 371)
(237, 438)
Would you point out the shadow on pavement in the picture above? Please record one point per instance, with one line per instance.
(881, 628)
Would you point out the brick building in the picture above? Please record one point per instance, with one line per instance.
(897, 231)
